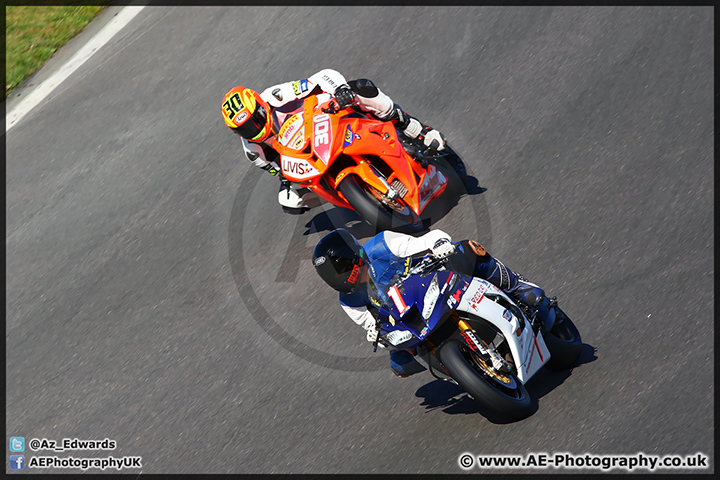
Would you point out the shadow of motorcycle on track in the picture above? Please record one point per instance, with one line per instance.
(326, 221)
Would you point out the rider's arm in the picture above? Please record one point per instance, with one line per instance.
(326, 80)
(403, 245)
(358, 311)
(258, 154)
(372, 99)
(369, 97)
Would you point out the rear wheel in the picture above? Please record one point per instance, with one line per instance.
(500, 392)
(563, 341)
(382, 212)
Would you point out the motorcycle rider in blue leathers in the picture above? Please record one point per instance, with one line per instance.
(363, 274)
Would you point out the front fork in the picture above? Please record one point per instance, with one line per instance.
(488, 355)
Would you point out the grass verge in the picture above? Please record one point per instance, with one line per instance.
(34, 33)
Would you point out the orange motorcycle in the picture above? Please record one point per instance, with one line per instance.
(352, 160)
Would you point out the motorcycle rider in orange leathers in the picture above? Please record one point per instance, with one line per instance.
(257, 117)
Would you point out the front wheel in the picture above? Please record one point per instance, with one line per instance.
(376, 208)
(563, 341)
(502, 393)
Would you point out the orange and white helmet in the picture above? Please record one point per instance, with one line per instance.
(247, 114)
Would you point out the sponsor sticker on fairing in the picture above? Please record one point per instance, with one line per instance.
(297, 168)
(289, 128)
(349, 137)
(477, 297)
(454, 298)
(299, 141)
(457, 295)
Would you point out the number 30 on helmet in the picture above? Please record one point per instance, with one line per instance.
(247, 114)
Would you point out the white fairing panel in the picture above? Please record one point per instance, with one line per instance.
(529, 351)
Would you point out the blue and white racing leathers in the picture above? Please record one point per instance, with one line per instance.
(389, 255)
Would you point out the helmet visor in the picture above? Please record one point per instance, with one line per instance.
(253, 126)
(345, 261)
(343, 273)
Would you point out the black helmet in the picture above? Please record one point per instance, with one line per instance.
(338, 259)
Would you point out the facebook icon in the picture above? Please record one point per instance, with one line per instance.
(17, 462)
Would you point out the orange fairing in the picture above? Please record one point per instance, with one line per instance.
(311, 141)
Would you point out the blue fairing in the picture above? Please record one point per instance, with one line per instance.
(411, 297)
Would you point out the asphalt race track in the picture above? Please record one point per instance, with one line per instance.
(157, 296)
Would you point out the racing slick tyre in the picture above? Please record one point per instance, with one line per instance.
(382, 212)
(563, 341)
(502, 393)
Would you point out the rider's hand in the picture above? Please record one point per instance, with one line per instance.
(443, 248)
(344, 96)
(432, 139)
(371, 327)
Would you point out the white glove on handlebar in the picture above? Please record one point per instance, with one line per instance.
(433, 139)
(371, 328)
(443, 248)
(430, 137)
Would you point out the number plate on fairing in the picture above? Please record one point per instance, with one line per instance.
(322, 136)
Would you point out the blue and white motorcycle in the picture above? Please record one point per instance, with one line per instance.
(467, 331)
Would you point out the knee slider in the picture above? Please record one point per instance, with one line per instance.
(475, 252)
(529, 293)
